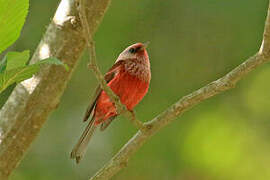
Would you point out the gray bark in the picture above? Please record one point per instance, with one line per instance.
(33, 100)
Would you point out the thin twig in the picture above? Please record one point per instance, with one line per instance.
(119, 161)
(121, 109)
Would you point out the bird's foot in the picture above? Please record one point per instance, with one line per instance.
(137, 123)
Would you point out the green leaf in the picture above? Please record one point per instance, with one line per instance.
(16, 75)
(3, 65)
(53, 60)
(20, 71)
(17, 59)
(5, 94)
(12, 18)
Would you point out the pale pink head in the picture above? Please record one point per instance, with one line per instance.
(135, 51)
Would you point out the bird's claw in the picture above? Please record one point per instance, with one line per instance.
(137, 123)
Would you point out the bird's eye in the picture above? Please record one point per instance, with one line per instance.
(132, 50)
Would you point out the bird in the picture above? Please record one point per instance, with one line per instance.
(129, 79)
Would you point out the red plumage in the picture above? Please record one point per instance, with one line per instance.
(129, 79)
(129, 88)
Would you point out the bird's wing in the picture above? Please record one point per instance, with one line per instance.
(108, 77)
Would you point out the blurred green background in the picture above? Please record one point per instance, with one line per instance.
(193, 42)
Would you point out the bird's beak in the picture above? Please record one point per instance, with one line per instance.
(145, 45)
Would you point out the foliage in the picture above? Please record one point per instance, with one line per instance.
(12, 18)
(13, 67)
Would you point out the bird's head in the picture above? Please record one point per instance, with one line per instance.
(137, 51)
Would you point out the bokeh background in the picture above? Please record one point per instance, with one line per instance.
(193, 42)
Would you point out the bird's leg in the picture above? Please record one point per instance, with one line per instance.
(137, 123)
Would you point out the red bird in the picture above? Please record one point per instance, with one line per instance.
(129, 79)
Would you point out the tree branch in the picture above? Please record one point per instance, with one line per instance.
(121, 109)
(31, 102)
(227, 82)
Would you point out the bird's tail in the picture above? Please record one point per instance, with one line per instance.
(81, 146)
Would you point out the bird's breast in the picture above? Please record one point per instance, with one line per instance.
(129, 87)
(138, 69)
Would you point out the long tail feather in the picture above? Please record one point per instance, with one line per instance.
(81, 146)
